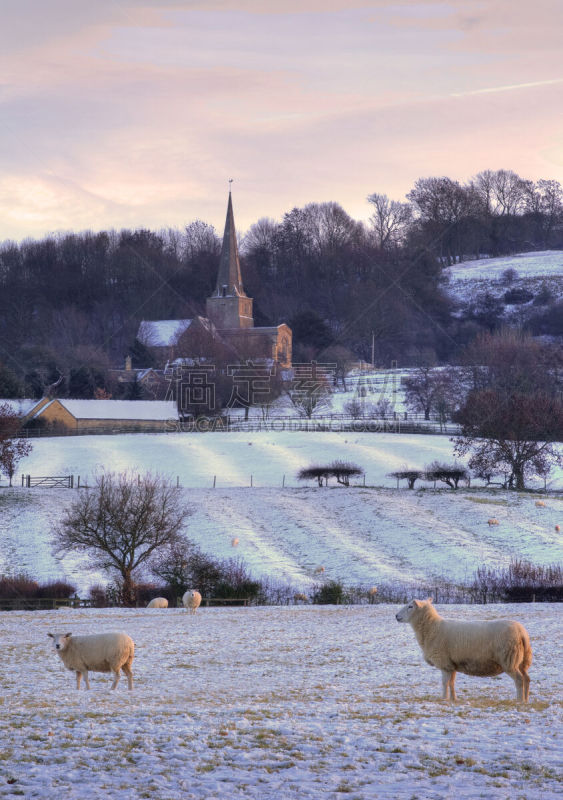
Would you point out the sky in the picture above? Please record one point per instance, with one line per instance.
(136, 113)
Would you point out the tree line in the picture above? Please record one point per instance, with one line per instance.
(70, 304)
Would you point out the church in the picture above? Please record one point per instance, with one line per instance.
(229, 319)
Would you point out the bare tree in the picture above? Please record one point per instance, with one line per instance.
(390, 220)
(12, 449)
(515, 433)
(512, 419)
(430, 389)
(121, 522)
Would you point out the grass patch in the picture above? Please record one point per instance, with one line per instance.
(486, 500)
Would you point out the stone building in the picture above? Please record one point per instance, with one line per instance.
(229, 319)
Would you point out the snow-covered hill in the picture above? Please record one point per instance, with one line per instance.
(540, 273)
(360, 535)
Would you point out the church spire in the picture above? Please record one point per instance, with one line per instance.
(229, 280)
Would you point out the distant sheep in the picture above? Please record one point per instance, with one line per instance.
(475, 648)
(557, 528)
(300, 597)
(234, 542)
(102, 652)
(191, 600)
(158, 602)
(492, 521)
(540, 504)
(319, 570)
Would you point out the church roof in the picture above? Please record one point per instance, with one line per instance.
(229, 274)
(162, 332)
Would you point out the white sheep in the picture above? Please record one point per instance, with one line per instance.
(102, 652)
(492, 521)
(540, 504)
(158, 602)
(484, 649)
(191, 600)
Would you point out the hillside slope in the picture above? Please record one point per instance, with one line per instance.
(360, 535)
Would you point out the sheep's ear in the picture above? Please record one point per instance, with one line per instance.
(417, 603)
(51, 635)
(68, 635)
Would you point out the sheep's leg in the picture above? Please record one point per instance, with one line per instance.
(518, 679)
(86, 681)
(526, 686)
(78, 679)
(129, 673)
(453, 695)
(448, 687)
(117, 676)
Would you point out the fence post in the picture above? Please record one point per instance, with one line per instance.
(283, 482)
(251, 481)
(177, 481)
(78, 482)
(72, 482)
(214, 480)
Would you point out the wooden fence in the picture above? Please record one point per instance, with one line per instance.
(50, 481)
(50, 603)
(41, 603)
(397, 423)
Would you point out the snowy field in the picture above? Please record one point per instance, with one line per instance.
(534, 271)
(361, 535)
(299, 703)
(546, 263)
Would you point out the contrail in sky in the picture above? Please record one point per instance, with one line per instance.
(508, 88)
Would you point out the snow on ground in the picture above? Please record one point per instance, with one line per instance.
(360, 535)
(234, 457)
(546, 263)
(261, 703)
(534, 271)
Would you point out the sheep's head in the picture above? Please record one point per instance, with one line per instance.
(412, 610)
(60, 640)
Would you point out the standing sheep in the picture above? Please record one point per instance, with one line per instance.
(191, 600)
(102, 652)
(492, 521)
(158, 602)
(474, 648)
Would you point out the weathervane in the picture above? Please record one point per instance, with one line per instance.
(230, 181)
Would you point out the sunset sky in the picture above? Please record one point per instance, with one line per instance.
(130, 113)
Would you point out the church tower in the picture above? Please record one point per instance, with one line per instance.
(229, 307)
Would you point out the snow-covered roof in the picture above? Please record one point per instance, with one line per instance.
(119, 409)
(162, 332)
(21, 407)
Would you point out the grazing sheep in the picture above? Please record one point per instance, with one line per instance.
(540, 504)
(319, 570)
(474, 648)
(300, 597)
(191, 600)
(158, 602)
(557, 528)
(234, 542)
(102, 652)
(492, 521)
